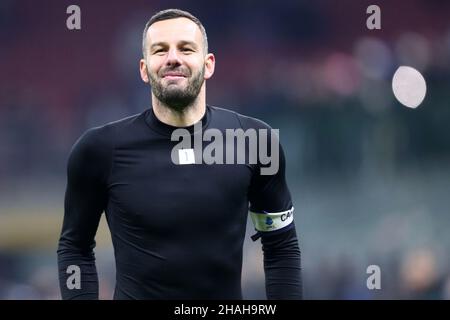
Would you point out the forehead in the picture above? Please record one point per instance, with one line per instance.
(174, 30)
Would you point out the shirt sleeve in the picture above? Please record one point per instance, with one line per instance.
(271, 207)
(85, 200)
(272, 213)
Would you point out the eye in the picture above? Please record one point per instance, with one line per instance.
(158, 51)
(187, 50)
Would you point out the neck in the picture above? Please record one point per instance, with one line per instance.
(184, 118)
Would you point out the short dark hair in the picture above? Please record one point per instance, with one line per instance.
(173, 14)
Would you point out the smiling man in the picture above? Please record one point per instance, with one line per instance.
(177, 227)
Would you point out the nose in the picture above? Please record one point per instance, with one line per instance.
(173, 57)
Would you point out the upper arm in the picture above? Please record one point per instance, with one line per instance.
(86, 192)
(271, 207)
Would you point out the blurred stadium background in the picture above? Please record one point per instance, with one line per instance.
(370, 178)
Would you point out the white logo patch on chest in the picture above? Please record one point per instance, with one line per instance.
(186, 156)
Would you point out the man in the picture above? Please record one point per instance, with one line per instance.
(177, 228)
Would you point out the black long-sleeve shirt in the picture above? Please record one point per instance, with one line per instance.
(177, 229)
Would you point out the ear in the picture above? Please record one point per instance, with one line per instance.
(143, 70)
(210, 64)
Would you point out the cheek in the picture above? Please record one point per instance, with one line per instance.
(195, 65)
(154, 66)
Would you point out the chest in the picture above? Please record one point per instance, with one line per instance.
(148, 188)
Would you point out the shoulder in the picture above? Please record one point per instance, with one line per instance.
(104, 135)
(98, 142)
(245, 122)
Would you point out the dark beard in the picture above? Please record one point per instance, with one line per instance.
(175, 98)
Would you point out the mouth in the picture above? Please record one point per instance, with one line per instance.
(174, 75)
